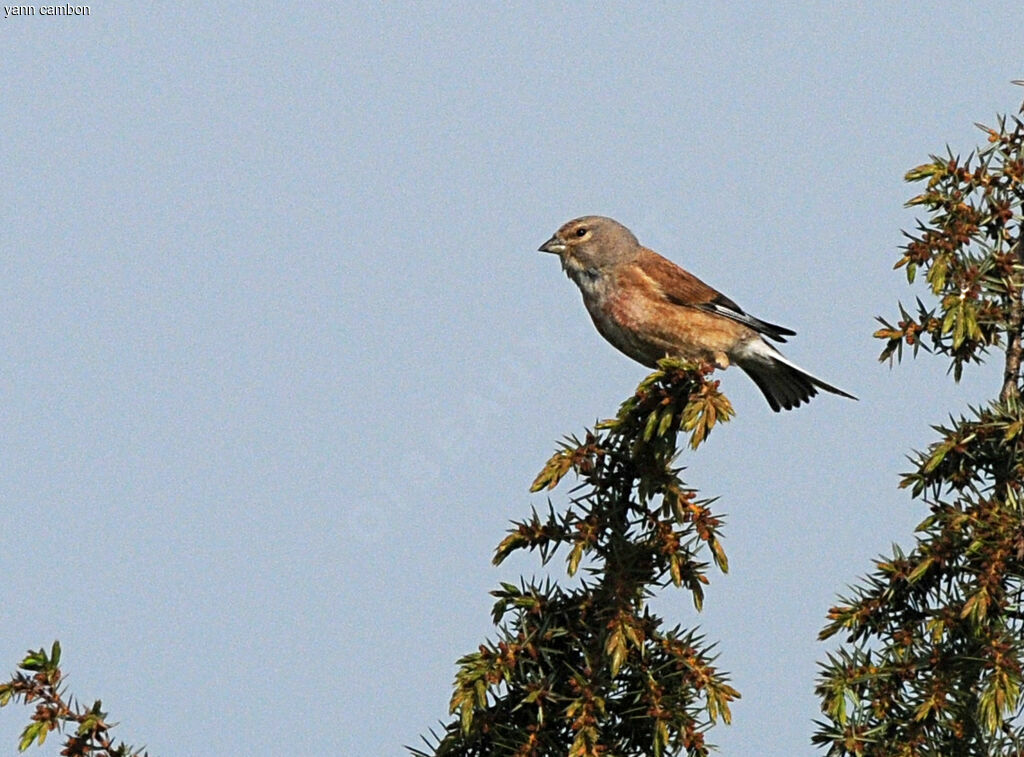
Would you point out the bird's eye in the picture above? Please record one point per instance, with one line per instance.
(581, 231)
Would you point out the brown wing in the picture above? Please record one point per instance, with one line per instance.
(683, 288)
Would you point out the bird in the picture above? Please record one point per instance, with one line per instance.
(650, 308)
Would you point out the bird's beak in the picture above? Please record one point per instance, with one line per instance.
(554, 245)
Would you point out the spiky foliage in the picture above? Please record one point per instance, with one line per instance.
(85, 730)
(588, 669)
(934, 637)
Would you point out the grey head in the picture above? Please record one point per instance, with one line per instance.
(592, 243)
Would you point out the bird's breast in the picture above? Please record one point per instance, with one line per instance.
(630, 312)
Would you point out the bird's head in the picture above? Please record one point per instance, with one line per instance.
(592, 243)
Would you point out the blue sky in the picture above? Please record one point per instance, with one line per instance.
(280, 359)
